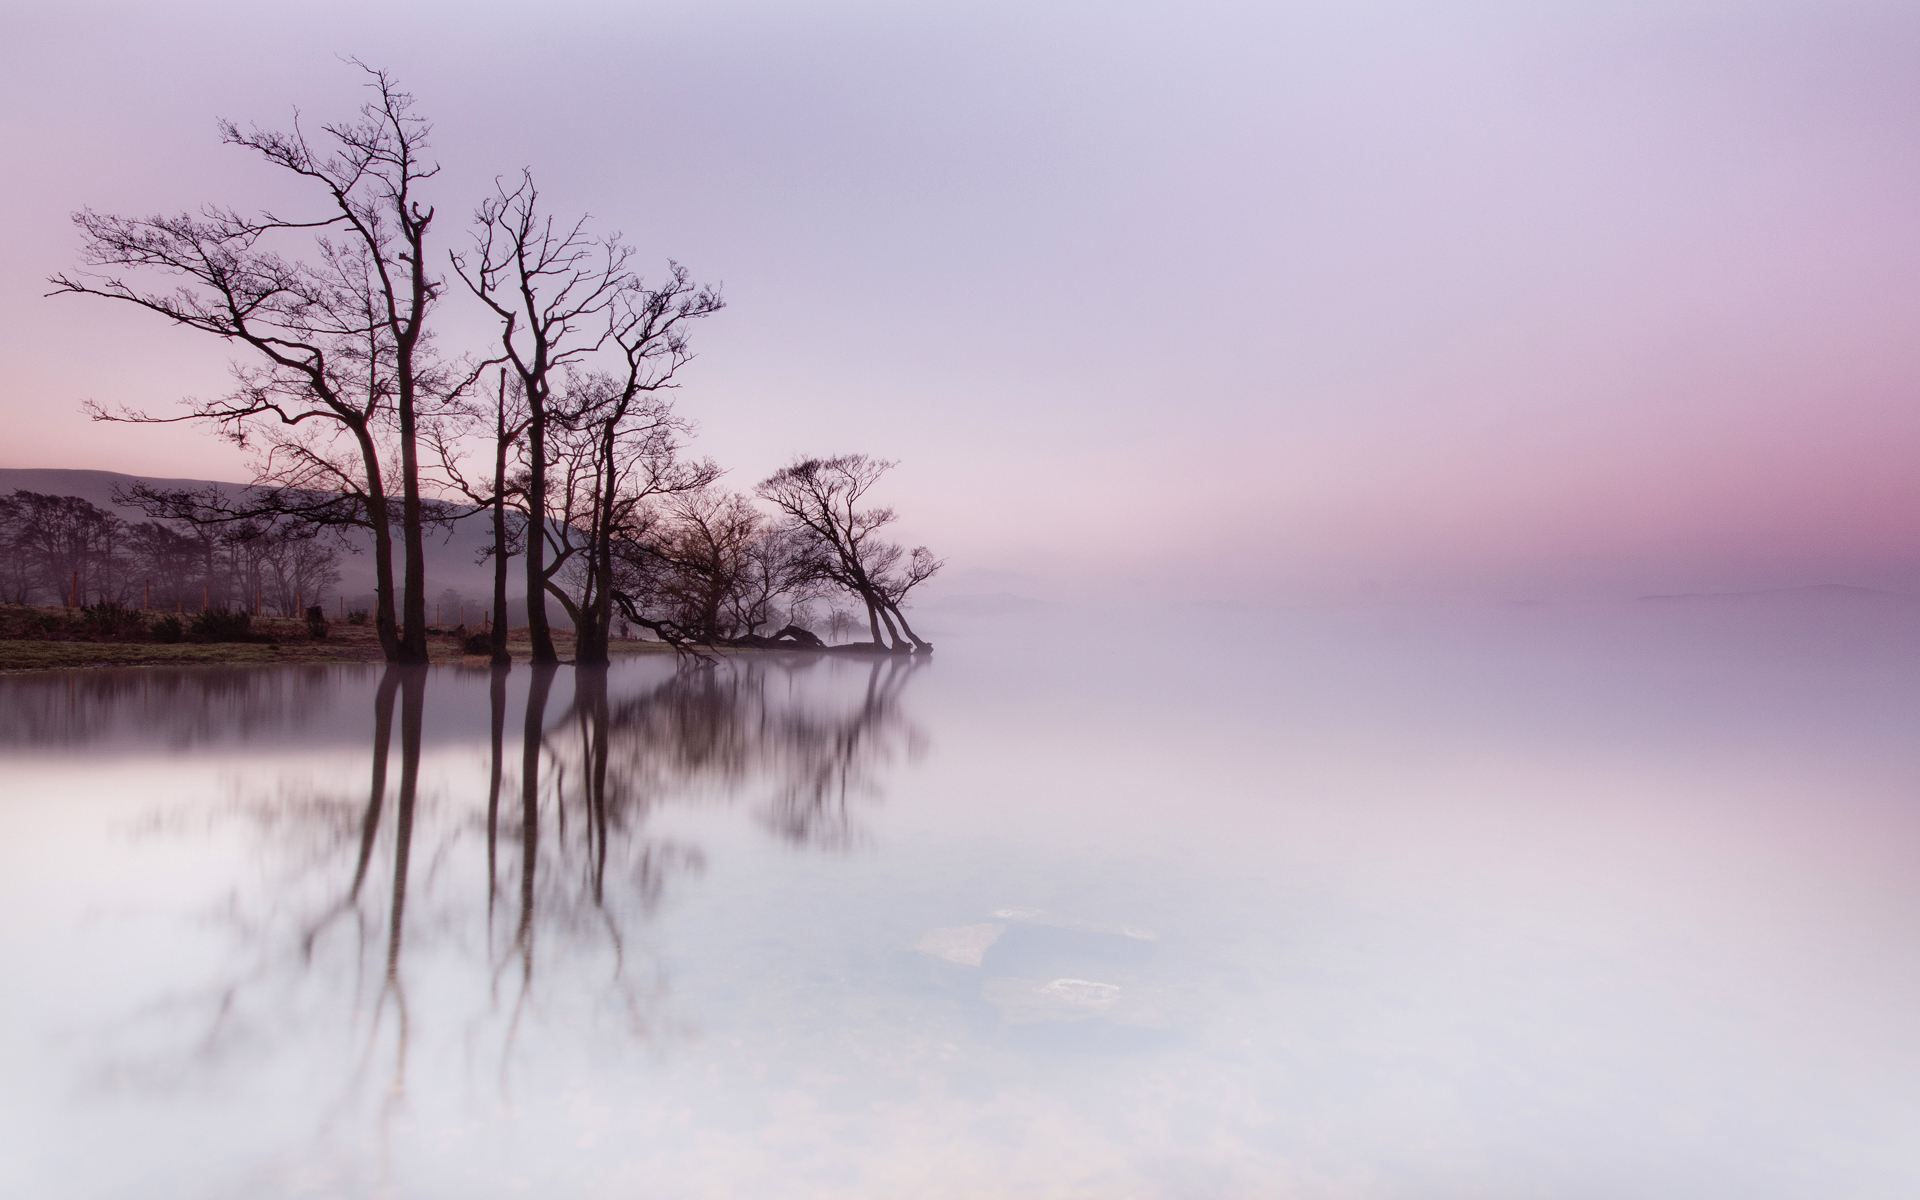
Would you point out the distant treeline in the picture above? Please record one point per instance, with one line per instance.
(558, 428)
(64, 550)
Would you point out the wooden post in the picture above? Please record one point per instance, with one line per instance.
(146, 594)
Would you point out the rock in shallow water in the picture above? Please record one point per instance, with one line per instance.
(1022, 1001)
(964, 945)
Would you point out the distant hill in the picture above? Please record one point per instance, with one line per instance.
(453, 559)
(1841, 592)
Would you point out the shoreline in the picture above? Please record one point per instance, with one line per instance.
(286, 643)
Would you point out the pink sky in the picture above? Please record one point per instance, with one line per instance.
(1521, 300)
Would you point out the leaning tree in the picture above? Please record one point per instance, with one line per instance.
(821, 500)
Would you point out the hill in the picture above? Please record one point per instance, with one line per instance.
(453, 558)
(1845, 593)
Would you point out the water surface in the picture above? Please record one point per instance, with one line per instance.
(1536, 903)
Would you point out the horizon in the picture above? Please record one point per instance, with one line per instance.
(968, 582)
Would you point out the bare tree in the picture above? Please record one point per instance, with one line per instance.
(821, 499)
(334, 323)
(621, 456)
(169, 563)
(553, 289)
(777, 583)
(16, 577)
(63, 548)
(840, 622)
(704, 545)
(565, 298)
(299, 571)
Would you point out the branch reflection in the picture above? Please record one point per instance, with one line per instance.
(422, 902)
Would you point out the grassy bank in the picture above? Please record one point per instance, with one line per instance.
(44, 639)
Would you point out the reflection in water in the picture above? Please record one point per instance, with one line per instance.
(177, 709)
(570, 872)
(1509, 910)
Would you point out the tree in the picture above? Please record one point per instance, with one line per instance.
(821, 498)
(169, 562)
(566, 298)
(619, 457)
(552, 290)
(840, 622)
(64, 549)
(16, 578)
(704, 544)
(776, 584)
(722, 570)
(299, 569)
(331, 307)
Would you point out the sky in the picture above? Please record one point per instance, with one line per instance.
(1241, 302)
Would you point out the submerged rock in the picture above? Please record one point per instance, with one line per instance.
(1041, 968)
(1023, 1001)
(964, 945)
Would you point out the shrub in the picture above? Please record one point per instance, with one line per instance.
(221, 625)
(357, 617)
(167, 629)
(316, 622)
(111, 619)
(477, 643)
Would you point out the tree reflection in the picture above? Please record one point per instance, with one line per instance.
(794, 745)
(178, 709)
(731, 732)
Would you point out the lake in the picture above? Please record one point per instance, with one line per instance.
(1531, 902)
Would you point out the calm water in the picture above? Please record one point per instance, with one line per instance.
(1532, 904)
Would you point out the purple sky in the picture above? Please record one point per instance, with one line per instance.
(1522, 299)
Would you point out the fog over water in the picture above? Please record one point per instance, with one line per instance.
(1549, 901)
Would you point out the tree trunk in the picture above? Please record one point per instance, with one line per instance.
(406, 341)
(589, 641)
(920, 645)
(538, 631)
(500, 655)
(379, 518)
(593, 622)
(413, 633)
(893, 635)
